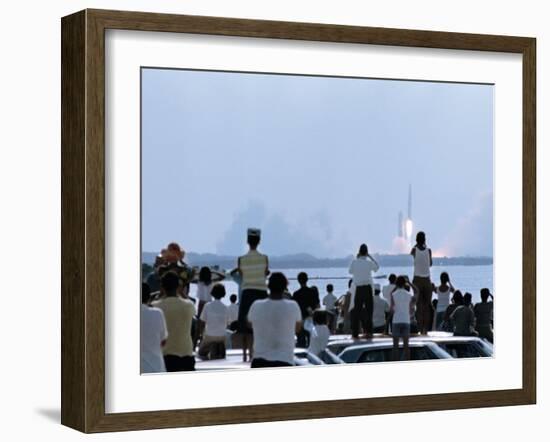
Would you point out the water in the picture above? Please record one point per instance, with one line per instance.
(465, 278)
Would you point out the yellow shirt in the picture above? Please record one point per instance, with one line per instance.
(253, 266)
(178, 313)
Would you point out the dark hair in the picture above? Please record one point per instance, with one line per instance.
(145, 293)
(444, 277)
(484, 293)
(302, 278)
(421, 238)
(435, 302)
(467, 298)
(218, 291)
(320, 317)
(277, 283)
(363, 250)
(458, 298)
(170, 282)
(163, 269)
(330, 287)
(253, 241)
(233, 298)
(401, 281)
(205, 275)
(392, 278)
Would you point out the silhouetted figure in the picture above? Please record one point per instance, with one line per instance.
(361, 303)
(463, 320)
(458, 300)
(422, 263)
(443, 292)
(484, 315)
(308, 300)
(386, 294)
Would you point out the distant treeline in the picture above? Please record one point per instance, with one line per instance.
(305, 261)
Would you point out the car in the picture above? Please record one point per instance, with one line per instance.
(383, 352)
(456, 346)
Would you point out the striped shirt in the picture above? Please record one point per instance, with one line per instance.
(253, 268)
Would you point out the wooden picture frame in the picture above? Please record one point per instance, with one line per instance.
(83, 219)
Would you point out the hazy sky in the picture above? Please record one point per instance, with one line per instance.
(320, 164)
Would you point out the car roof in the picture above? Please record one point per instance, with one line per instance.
(383, 345)
(437, 337)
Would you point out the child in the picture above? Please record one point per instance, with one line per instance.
(213, 318)
(379, 310)
(320, 333)
(329, 301)
(402, 308)
(233, 310)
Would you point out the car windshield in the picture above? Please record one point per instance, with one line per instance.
(386, 354)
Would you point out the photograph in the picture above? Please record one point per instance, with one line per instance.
(300, 220)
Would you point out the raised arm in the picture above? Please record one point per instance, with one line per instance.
(220, 276)
(451, 286)
(376, 265)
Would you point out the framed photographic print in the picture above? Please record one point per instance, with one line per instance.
(272, 220)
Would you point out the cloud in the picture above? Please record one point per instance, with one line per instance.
(313, 235)
(473, 233)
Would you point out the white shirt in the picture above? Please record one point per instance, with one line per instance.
(422, 262)
(318, 339)
(443, 299)
(329, 300)
(402, 304)
(215, 315)
(379, 309)
(232, 313)
(152, 333)
(274, 327)
(361, 268)
(386, 292)
(203, 292)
